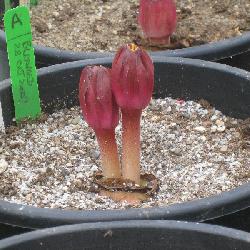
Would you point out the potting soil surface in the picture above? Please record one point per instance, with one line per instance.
(98, 25)
(194, 150)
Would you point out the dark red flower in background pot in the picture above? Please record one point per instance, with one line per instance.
(132, 79)
(102, 114)
(157, 19)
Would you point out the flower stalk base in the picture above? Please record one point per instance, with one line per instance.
(109, 153)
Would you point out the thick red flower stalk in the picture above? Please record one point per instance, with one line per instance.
(102, 114)
(157, 19)
(132, 80)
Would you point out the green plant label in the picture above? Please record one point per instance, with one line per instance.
(22, 63)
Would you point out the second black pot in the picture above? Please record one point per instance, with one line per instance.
(131, 235)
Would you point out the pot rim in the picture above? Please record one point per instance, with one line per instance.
(211, 51)
(195, 210)
(212, 230)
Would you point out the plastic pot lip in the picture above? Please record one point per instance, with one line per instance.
(212, 230)
(196, 210)
(211, 51)
(199, 63)
(156, 59)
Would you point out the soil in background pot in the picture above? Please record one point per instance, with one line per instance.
(194, 150)
(87, 25)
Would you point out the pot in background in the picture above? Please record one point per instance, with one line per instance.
(234, 51)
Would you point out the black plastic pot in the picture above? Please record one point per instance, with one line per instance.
(131, 235)
(234, 52)
(238, 220)
(8, 230)
(227, 88)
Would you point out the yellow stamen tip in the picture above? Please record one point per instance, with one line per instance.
(133, 47)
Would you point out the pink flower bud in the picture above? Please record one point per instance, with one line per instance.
(157, 19)
(132, 77)
(96, 99)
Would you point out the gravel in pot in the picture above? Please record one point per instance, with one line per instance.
(81, 30)
(47, 182)
(132, 235)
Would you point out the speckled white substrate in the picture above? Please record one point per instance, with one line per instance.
(193, 151)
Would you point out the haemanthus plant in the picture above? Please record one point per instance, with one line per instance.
(101, 113)
(157, 19)
(132, 84)
(128, 86)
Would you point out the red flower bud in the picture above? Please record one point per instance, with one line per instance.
(132, 77)
(157, 19)
(96, 99)
(132, 84)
